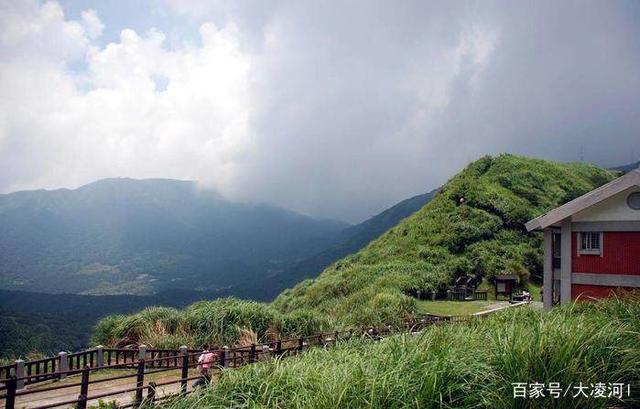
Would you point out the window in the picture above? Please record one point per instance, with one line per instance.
(633, 200)
(590, 242)
(556, 246)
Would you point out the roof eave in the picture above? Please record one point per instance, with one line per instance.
(607, 190)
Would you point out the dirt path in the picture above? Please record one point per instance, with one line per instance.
(62, 395)
(500, 305)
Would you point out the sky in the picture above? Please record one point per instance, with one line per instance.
(335, 109)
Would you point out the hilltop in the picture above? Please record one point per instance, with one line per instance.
(482, 236)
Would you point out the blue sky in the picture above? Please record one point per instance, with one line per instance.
(140, 16)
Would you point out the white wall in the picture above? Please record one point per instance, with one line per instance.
(614, 208)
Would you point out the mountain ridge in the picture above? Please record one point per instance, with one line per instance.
(136, 236)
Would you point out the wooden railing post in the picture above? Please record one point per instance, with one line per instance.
(63, 365)
(140, 382)
(10, 400)
(300, 344)
(99, 356)
(185, 369)
(252, 354)
(278, 347)
(223, 356)
(20, 374)
(84, 388)
(142, 352)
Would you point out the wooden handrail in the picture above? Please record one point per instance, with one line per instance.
(238, 356)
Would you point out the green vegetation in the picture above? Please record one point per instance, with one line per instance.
(224, 321)
(353, 239)
(482, 236)
(35, 330)
(29, 335)
(455, 366)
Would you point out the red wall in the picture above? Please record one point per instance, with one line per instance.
(621, 255)
(595, 291)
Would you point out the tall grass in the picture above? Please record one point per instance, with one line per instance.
(457, 366)
(224, 321)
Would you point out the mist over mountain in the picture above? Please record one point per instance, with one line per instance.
(126, 236)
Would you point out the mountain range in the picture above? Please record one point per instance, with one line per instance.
(141, 237)
(118, 245)
(126, 236)
(163, 238)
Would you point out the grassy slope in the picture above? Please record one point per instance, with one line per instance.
(455, 366)
(484, 236)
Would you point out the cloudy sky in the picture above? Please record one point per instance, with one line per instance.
(334, 109)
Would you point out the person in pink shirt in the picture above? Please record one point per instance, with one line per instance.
(205, 363)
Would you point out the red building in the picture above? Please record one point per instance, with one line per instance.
(592, 244)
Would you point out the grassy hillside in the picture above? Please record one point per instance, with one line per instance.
(456, 366)
(483, 236)
(352, 239)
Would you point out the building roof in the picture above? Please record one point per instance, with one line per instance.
(505, 277)
(589, 199)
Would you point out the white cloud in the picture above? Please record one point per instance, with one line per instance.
(92, 24)
(336, 111)
(114, 120)
(29, 30)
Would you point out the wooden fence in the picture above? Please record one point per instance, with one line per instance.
(151, 361)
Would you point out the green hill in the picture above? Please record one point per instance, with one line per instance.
(482, 236)
(126, 236)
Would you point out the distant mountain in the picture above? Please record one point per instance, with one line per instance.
(351, 240)
(126, 236)
(627, 168)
